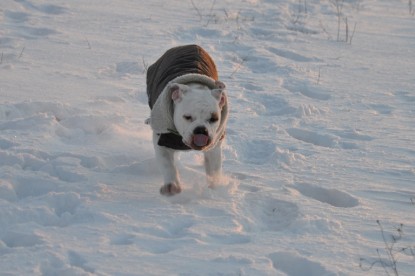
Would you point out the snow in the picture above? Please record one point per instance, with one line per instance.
(319, 147)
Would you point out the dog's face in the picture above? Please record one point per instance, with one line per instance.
(197, 113)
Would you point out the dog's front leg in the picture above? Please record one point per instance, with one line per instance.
(165, 158)
(213, 164)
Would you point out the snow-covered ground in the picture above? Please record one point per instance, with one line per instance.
(320, 144)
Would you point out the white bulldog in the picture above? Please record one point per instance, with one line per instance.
(189, 113)
(197, 115)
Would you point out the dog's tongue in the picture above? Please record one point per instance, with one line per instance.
(200, 140)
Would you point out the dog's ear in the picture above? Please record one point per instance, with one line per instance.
(219, 85)
(218, 94)
(176, 91)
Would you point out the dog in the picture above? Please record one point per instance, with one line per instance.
(189, 111)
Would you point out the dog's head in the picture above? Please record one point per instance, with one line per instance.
(197, 113)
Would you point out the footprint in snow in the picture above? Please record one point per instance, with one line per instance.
(26, 30)
(36, 32)
(258, 151)
(63, 203)
(160, 246)
(244, 186)
(353, 135)
(382, 109)
(14, 239)
(76, 260)
(123, 239)
(33, 186)
(292, 55)
(7, 191)
(6, 144)
(123, 69)
(263, 33)
(252, 87)
(17, 17)
(52, 9)
(147, 166)
(126, 68)
(269, 214)
(275, 106)
(405, 96)
(14, 116)
(169, 230)
(231, 239)
(310, 91)
(322, 140)
(296, 265)
(333, 197)
(260, 65)
(8, 43)
(65, 169)
(45, 8)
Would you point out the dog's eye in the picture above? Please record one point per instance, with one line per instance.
(213, 119)
(188, 118)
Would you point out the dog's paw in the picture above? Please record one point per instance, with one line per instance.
(170, 189)
(214, 180)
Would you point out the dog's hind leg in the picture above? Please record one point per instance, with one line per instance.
(213, 164)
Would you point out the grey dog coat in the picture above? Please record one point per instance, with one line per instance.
(182, 65)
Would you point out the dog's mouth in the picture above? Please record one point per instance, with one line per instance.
(200, 141)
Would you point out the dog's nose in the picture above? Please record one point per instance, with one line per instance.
(200, 130)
